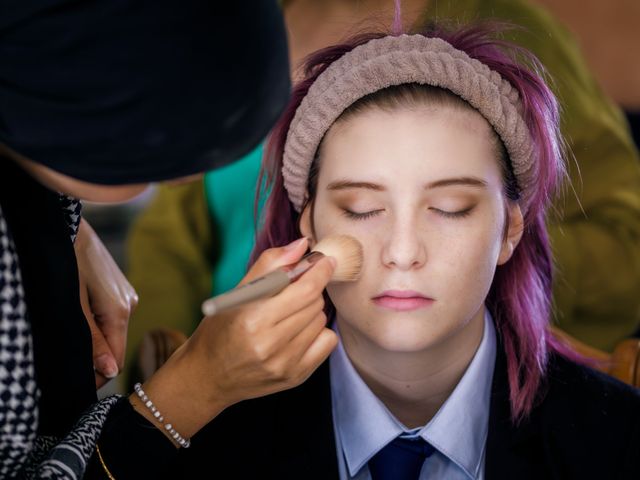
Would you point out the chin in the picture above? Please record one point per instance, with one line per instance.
(403, 335)
(403, 343)
(115, 194)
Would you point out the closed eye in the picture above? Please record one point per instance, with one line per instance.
(361, 215)
(457, 214)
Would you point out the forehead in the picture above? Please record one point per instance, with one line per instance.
(423, 143)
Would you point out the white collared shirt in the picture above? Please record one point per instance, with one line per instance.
(363, 425)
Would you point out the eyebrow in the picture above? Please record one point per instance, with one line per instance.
(468, 181)
(445, 182)
(347, 184)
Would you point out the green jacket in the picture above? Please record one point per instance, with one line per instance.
(595, 237)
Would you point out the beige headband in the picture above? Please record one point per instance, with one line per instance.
(396, 60)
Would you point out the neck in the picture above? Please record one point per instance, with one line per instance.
(414, 385)
(313, 24)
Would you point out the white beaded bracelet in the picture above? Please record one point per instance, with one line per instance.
(183, 442)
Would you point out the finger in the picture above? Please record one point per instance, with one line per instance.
(133, 298)
(283, 367)
(125, 289)
(324, 343)
(114, 331)
(286, 361)
(103, 359)
(114, 324)
(86, 309)
(274, 258)
(298, 346)
(303, 292)
(289, 328)
(111, 311)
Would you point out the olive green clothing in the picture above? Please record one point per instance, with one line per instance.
(595, 240)
(170, 253)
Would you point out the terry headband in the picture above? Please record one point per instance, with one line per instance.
(397, 60)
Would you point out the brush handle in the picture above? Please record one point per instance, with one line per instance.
(265, 286)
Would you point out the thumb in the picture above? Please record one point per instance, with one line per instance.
(274, 258)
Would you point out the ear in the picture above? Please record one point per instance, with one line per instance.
(305, 224)
(513, 234)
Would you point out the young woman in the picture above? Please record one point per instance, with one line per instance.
(439, 152)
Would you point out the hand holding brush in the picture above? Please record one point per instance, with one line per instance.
(260, 347)
(345, 249)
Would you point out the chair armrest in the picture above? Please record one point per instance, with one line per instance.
(156, 347)
(625, 361)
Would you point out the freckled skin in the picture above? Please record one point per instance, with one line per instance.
(414, 237)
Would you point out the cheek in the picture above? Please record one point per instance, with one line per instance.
(347, 296)
(368, 232)
(469, 260)
(351, 296)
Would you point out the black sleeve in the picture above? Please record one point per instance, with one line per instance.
(131, 447)
(630, 467)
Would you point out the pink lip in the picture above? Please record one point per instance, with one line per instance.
(402, 300)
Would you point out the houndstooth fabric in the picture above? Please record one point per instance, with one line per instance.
(18, 391)
(68, 459)
(72, 209)
(22, 453)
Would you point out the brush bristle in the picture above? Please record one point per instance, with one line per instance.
(348, 253)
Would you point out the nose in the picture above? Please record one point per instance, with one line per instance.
(404, 249)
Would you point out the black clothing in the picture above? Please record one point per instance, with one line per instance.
(586, 425)
(123, 91)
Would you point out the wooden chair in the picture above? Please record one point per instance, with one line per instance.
(623, 364)
(156, 347)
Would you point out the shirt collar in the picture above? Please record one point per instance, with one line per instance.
(458, 430)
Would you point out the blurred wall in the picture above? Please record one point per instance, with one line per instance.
(609, 34)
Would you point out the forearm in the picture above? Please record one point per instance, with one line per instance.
(136, 444)
(179, 396)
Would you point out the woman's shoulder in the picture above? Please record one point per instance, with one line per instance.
(585, 425)
(581, 404)
(575, 381)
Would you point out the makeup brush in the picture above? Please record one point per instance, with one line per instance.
(345, 249)
(348, 253)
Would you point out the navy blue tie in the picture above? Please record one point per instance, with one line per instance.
(401, 459)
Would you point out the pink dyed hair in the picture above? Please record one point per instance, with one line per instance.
(520, 295)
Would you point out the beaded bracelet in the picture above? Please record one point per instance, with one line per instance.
(183, 442)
